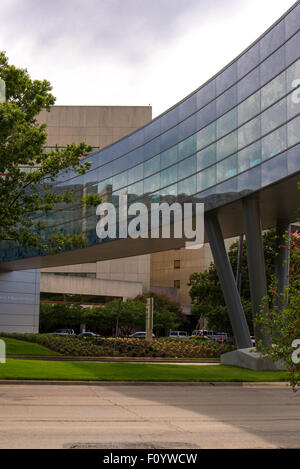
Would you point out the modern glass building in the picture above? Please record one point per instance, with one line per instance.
(234, 144)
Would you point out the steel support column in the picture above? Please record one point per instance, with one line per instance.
(256, 263)
(227, 281)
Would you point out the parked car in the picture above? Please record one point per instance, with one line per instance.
(202, 333)
(140, 335)
(64, 332)
(87, 334)
(179, 334)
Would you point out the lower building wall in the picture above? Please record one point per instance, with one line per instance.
(19, 301)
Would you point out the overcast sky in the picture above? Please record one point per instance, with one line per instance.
(130, 52)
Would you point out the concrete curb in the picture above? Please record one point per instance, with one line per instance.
(280, 384)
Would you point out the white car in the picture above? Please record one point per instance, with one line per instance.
(178, 334)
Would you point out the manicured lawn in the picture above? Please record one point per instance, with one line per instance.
(21, 347)
(37, 369)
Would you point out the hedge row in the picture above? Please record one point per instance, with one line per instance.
(126, 347)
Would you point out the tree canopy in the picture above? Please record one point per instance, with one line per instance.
(26, 172)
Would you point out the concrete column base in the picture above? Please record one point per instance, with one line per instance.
(251, 359)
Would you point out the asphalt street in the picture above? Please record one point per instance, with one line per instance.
(148, 416)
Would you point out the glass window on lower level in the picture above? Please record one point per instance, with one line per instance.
(187, 186)
(168, 176)
(249, 156)
(120, 180)
(151, 184)
(176, 283)
(136, 173)
(152, 166)
(206, 178)
(294, 131)
(227, 168)
(187, 167)
(206, 157)
(274, 143)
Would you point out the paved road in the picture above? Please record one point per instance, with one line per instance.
(57, 416)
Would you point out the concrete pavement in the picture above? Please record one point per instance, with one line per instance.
(58, 416)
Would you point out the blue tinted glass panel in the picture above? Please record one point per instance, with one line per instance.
(248, 60)
(274, 143)
(152, 184)
(273, 91)
(168, 176)
(206, 93)
(206, 157)
(249, 132)
(136, 189)
(169, 119)
(227, 123)
(168, 193)
(119, 180)
(169, 138)
(292, 21)
(272, 40)
(151, 148)
(227, 168)
(169, 157)
(187, 167)
(187, 186)
(136, 173)
(206, 136)
(152, 166)
(272, 66)
(273, 117)
(274, 170)
(206, 178)
(187, 127)
(294, 131)
(292, 74)
(225, 79)
(105, 186)
(187, 147)
(249, 156)
(152, 130)
(187, 107)
(206, 115)
(227, 145)
(227, 100)
(292, 49)
(120, 164)
(249, 84)
(249, 108)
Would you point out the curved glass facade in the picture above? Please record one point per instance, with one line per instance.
(236, 134)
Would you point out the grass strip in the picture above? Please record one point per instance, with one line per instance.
(46, 370)
(21, 347)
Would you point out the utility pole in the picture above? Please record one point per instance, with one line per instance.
(149, 319)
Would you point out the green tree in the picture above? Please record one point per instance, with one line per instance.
(206, 293)
(27, 174)
(59, 316)
(284, 325)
